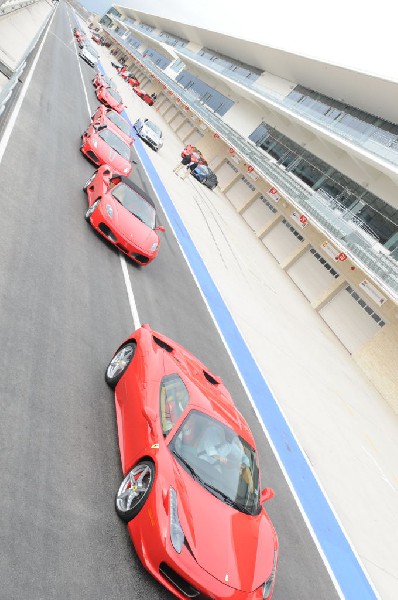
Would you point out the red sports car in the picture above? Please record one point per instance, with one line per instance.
(101, 145)
(102, 79)
(191, 492)
(133, 81)
(195, 154)
(114, 121)
(110, 98)
(124, 214)
(144, 96)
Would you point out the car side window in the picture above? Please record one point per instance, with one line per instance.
(174, 399)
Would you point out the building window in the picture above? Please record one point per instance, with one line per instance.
(293, 230)
(368, 309)
(268, 204)
(324, 263)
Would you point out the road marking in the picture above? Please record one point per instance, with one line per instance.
(10, 125)
(80, 70)
(130, 293)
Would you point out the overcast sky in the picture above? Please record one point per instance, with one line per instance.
(352, 33)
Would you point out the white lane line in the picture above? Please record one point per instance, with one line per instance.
(80, 70)
(130, 294)
(10, 125)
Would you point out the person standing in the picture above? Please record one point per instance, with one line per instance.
(183, 163)
(190, 167)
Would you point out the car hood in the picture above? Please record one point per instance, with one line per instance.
(147, 131)
(130, 226)
(109, 156)
(235, 548)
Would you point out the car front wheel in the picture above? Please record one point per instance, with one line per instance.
(119, 363)
(135, 489)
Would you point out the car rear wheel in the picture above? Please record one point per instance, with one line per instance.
(90, 210)
(119, 363)
(134, 490)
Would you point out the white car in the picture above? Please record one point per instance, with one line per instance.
(150, 133)
(89, 55)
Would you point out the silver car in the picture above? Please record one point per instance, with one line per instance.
(89, 55)
(150, 133)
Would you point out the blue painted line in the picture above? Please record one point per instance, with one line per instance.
(338, 552)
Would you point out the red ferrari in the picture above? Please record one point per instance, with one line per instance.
(102, 79)
(144, 96)
(101, 145)
(191, 492)
(123, 214)
(133, 81)
(114, 121)
(110, 98)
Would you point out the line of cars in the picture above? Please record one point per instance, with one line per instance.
(191, 491)
(87, 51)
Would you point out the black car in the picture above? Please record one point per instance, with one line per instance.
(205, 175)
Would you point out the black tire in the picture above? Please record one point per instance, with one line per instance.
(119, 363)
(134, 490)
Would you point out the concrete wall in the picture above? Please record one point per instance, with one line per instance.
(18, 29)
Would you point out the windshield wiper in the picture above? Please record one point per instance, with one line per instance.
(188, 466)
(227, 499)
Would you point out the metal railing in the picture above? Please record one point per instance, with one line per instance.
(343, 227)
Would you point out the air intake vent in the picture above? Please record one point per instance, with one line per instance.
(162, 344)
(210, 378)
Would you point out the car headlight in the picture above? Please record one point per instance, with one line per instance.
(154, 246)
(109, 210)
(95, 143)
(269, 584)
(176, 533)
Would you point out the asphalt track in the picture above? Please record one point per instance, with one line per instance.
(63, 310)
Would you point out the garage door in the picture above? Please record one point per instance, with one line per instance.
(259, 214)
(170, 114)
(225, 174)
(164, 107)
(176, 122)
(195, 138)
(313, 274)
(351, 318)
(185, 130)
(282, 240)
(240, 192)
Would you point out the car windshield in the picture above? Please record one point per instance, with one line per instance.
(115, 95)
(219, 459)
(119, 122)
(115, 142)
(203, 170)
(134, 203)
(108, 80)
(154, 128)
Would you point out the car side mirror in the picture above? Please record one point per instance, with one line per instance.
(266, 495)
(160, 228)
